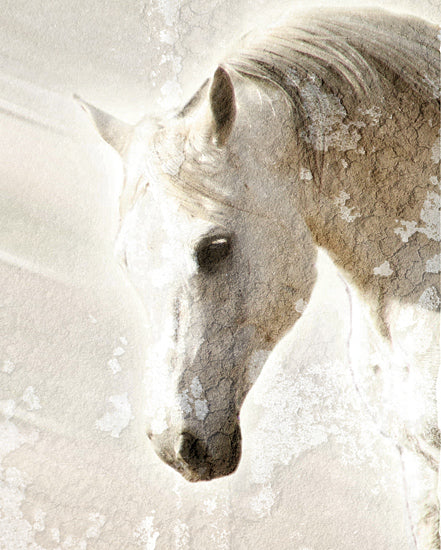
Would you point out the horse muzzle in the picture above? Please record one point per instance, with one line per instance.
(199, 458)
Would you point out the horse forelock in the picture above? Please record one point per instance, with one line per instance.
(170, 154)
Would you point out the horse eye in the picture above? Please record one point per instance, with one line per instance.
(211, 252)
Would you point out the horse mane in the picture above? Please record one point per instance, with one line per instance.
(344, 48)
(351, 54)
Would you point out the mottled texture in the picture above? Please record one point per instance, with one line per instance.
(78, 352)
(364, 119)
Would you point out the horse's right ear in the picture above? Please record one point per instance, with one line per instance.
(116, 132)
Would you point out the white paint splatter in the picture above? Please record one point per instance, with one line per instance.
(115, 422)
(300, 305)
(433, 265)
(185, 402)
(384, 270)
(201, 408)
(31, 399)
(196, 387)
(305, 174)
(405, 232)
(430, 215)
(114, 365)
(123, 340)
(326, 114)
(430, 299)
(345, 212)
(145, 533)
(117, 352)
(8, 366)
(92, 319)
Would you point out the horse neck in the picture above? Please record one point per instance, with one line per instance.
(372, 203)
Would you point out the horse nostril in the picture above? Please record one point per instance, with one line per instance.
(190, 449)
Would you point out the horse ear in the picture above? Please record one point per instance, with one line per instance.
(223, 105)
(116, 132)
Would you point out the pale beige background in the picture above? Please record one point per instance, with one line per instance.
(76, 470)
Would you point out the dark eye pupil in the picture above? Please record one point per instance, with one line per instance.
(213, 252)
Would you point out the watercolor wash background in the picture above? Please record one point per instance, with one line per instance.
(76, 470)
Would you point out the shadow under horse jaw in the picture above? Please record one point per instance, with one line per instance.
(321, 132)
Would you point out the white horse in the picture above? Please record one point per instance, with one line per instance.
(319, 132)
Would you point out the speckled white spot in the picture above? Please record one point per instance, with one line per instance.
(433, 265)
(300, 305)
(117, 352)
(145, 533)
(326, 115)
(123, 340)
(344, 163)
(305, 174)
(8, 366)
(345, 212)
(201, 408)
(384, 270)
(196, 387)
(185, 402)
(31, 399)
(114, 365)
(405, 232)
(435, 181)
(92, 319)
(115, 422)
(430, 215)
(430, 299)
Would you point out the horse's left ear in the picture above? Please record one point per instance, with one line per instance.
(223, 105)
(117, 133)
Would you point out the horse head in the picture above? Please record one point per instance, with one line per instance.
(223, 262)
